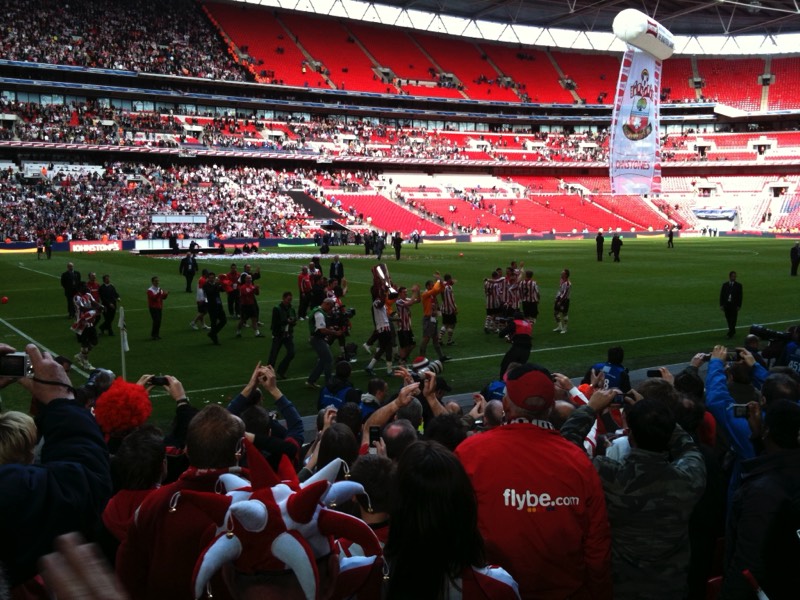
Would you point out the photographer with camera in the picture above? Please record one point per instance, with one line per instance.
(659, 480)
(320, 330)
(271, 437)
(721, 404)
(68, 488)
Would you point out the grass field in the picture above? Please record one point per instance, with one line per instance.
(660, 304)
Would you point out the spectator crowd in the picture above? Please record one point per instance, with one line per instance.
(167, 38)
(118, 200)
(542, 488)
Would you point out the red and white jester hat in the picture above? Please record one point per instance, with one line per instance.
(273, 523)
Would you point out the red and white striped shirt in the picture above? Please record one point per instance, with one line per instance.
(528, 290)
(493, 288)
(448, 300)
(564, 290)
(403, 306)
(511, 292)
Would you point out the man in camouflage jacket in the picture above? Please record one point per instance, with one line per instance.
(650, 496)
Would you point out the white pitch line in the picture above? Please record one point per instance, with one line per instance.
(33, 341)
(127, 310)
(617, 341)
(39, 272)
(535, 350)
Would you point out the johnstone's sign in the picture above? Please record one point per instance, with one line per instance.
(95, 246)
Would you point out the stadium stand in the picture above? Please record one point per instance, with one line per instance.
(785, 89)
(277, 58)
(393, 49)
(281, 43)
(676, 80)
(468, 67)
(533, 70)
(732, 81)
(385, 214)
(594, 76)
(341, 58)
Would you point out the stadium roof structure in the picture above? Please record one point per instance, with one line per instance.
(683, 17)
(714, 27)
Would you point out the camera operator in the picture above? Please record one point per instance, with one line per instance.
(753, 345)
(340, 320)
(320, 330)
(341, 317)
(67, 489)
(783, 346)
(791, 352)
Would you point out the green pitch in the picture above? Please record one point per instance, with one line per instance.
(660, 304)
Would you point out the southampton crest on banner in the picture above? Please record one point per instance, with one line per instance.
(639, 124)
(635, 153)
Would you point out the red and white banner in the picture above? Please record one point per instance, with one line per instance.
(95, 246)
(635, 159)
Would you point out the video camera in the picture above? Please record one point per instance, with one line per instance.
(771, 335)
(777, 340)
(418, 372)
(99, 381)
(341, 317)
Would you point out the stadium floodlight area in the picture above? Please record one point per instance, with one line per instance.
(545, 37)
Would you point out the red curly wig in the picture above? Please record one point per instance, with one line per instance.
(122, 407)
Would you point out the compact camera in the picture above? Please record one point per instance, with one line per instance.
(15, 364)
(158, 380)
(740, 411)
(733, 356)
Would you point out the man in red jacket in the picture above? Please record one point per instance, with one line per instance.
(168, 532)
(541, 507)
(155, 302)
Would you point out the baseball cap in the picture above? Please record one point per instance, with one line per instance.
(530, 387)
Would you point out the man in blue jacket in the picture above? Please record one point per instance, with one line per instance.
(719, 403)
(67, 490)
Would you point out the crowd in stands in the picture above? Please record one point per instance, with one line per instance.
(167, 38)
(87, 122)
(608, 488)
(119, 200)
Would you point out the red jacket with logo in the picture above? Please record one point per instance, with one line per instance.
(541, 510)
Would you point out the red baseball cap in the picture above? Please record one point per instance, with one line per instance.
(530, 387)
